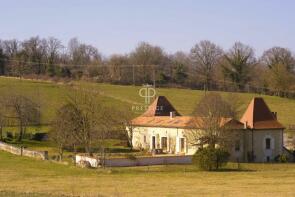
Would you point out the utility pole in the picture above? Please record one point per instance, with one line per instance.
(133, 74)
(154, 73)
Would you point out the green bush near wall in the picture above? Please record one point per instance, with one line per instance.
(210, 158)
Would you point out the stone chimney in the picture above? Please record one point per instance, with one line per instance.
(275, 115)
(245, 125)
(172, 114)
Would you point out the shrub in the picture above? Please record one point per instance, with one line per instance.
(40, 136)
(210, 158)
(281, 158)
(9, 135)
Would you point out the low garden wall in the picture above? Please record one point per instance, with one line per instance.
(23, 152)
(139, 161)
(92, 161)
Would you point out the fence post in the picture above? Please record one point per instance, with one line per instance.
(21, 150)
(45, 155)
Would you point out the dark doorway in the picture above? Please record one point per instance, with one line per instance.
(181, 144)
(154, 142)
(164, 143)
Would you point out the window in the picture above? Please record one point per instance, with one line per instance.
(267, 143)
(164, 143)
(237, 145)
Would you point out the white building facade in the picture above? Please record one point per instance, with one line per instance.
(259, 134)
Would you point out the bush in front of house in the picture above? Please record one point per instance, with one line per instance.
(281, 158)
(210, 158)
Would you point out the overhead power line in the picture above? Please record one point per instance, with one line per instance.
(132, 66)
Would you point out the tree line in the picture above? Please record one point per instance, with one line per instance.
(207, 66)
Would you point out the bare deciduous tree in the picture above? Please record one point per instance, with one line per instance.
(147, 57)
(2, 124)
(118, 67)
(123, 119)
(206, 55)
(281, 64)
(211, 115)
(95, 121)
(64, 126)
(279, 78)
(238, 64)
(83, 54)
(52, 53)
(23, 110)
(278, 55)
(34, 53)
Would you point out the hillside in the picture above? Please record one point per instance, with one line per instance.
(51, 96)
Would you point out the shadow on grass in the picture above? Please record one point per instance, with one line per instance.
(232, 170)
(169, 169)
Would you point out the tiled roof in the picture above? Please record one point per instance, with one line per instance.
(181, 122)
(160, 107)
(259, 116)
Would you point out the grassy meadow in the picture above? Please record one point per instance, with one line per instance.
(22, 176)
(51, 96)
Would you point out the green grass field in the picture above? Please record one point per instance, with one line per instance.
(22, 176)
(51, 96)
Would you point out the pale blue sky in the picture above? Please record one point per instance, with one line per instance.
(118, 26)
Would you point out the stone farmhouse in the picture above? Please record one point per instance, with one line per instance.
(259, 135)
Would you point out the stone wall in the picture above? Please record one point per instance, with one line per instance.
(23, 152)
(92, 161)
(140, 161)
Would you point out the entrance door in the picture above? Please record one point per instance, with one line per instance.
(164, 143)
(182, 145)
(154, 142)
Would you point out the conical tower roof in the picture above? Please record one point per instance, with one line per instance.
(259, 116)
(160, 107)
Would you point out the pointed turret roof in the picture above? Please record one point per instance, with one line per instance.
(259, 116)
(160, 107)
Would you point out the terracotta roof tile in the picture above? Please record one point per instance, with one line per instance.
(160, 107)
(259, 116)
(181, 122)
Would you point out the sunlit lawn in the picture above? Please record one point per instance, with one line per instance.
(21, 175)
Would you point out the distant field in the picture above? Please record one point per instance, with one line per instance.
(51, 96)
(22, 176)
